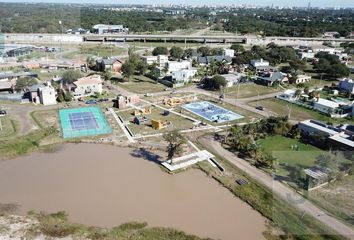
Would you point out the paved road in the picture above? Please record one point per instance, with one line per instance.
(280, 189)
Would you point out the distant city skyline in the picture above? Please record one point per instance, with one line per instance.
(281, 3)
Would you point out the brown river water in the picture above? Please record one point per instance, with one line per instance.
(106, 186)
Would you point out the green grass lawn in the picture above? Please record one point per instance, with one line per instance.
(287, 159)
(142, 84)
(297, 112)
(280, 147)
(95, 50)
(249, 90)
(8, 127)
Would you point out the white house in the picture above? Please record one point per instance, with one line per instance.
(47, 94)
(173, 66)
(325, 106)
(183, 76)
(232, 79)
(347, 85)
(259, 63)
(288, 95)
(302, 79)
(307, 55)
(330, 34)
(229, 52)
(160, 60)
(88, 85)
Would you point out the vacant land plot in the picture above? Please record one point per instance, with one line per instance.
(99, 50)
(337, 198)
(249, 90)
(7, 127)
(142, 84)
(298, 113)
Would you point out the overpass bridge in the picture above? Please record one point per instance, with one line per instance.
(39, 38)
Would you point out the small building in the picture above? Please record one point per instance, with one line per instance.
(173, 66)
(259, 63)
(43, 93)
(269, 79)
(325, 106)
(307, 55)
(331, 34)
(109, 29)
(232, 79)
(111, 64)
(86, 86)
(302, 79)
(229, 52)
(6, 86)
(288, 95)
(346, 85)
(160, 60)
(180, 77)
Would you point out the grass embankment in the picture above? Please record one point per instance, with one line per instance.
(9, 127)
(294, 224)
(19, 146)
(57, 225)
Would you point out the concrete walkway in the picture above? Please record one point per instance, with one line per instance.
(121, 125)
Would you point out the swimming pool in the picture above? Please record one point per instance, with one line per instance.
(81, 122)
(211, 112)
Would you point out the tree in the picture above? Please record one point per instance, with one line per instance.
(160, 51)
(204, 51)
(176, 52)
(214, 83)
(91, 63)
(70, 76)
(128, 70)
(141, 67)
(107, 75)
(175, 143)
(238, 48)
(24, 82)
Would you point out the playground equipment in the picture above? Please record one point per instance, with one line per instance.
(158, 124)
(141, 112)
(140, 119)
(173, 101)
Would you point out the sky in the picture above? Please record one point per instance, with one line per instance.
(314, 3)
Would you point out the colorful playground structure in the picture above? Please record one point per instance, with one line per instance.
(145, 111)
(140, 120)
(172, 101)
(158, 124)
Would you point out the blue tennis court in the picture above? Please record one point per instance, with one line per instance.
(81, 122)
(211, 112)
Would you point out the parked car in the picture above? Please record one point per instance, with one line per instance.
(261, 108)
(168, 89)
(241, 181)
(91, 101)
(2, 113)
(148, 95)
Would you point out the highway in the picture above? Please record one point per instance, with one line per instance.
(225, 38)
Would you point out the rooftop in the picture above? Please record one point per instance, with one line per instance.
(327, 103)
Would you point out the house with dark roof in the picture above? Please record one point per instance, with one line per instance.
(112, 64)
(217, 58)
(269, 79)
